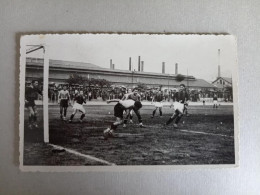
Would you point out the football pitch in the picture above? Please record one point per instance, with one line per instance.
(206, 136)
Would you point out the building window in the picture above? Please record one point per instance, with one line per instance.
(220, 81)
(223, 82)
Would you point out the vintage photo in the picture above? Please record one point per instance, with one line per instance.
(101, 101)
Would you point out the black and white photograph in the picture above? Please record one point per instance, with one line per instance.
(101, 101)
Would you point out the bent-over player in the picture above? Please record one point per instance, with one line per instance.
(120, 107)
(132, 96)
(179, 106)
(31, 94)
(64, 100)
(158, 98)
(78, 106)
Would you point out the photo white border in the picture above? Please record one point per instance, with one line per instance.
(120, 168)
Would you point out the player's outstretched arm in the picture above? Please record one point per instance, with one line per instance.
(113, 100)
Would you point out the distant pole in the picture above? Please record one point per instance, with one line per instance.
(187, 79)
(111, 64)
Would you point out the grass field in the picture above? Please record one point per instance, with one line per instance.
(204, 137)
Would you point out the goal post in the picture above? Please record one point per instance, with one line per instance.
(45, 86)
(45, 94)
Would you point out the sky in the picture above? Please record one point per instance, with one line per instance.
(195, 54)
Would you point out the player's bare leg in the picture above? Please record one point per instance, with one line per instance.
(61, 112)
(160, 110)
(154, 112)
(82, 115)
(72, 115)
(35, 117)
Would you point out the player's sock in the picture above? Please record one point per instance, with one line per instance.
(177, 119)
(34, 118)
(113, 127)
(72, 116)
(30, 119)
(170, 120)
(65, 112)
(154, 112)
(82, 116)
(160, 113)
(131, 116)
(125, 121)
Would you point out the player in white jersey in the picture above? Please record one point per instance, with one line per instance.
(131, 111)
(64, 100)
(179, 106)
(132, 96)
(120, 107)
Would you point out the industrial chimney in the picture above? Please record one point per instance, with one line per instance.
(219, 71)
(176, 68)
(111, 65)
(163, 67)
(139, 63)
(130, 64)
(142, 66)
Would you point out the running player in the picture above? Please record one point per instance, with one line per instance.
(78, 106)
(64, 100)
(31, 94)
(179, 106)
(120, 107)
(158, 98)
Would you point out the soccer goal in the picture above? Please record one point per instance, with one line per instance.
(33, 48)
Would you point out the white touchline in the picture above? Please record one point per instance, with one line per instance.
(82, 155)
(199, 132)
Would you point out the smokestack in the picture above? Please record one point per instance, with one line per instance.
(130, 64)
(176, 68)
(139, 63)
(219, 63)
(142, 66)
(163, 67)
(111, 65)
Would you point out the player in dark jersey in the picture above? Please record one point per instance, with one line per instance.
(78, 105)
(180, 106)
(158, 99)
(31, 94)
(63, 99)
(120, 107)
(215, 101)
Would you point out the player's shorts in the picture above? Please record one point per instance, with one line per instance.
(215, 102)
(30, 104)
(119, 110)
(64, 103)
(158, 104)
(179, 107)
(79, 107)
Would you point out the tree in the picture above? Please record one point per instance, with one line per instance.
(179, 77)
(77, 79)
(142, 86)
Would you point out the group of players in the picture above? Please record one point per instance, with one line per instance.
(123, 110)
